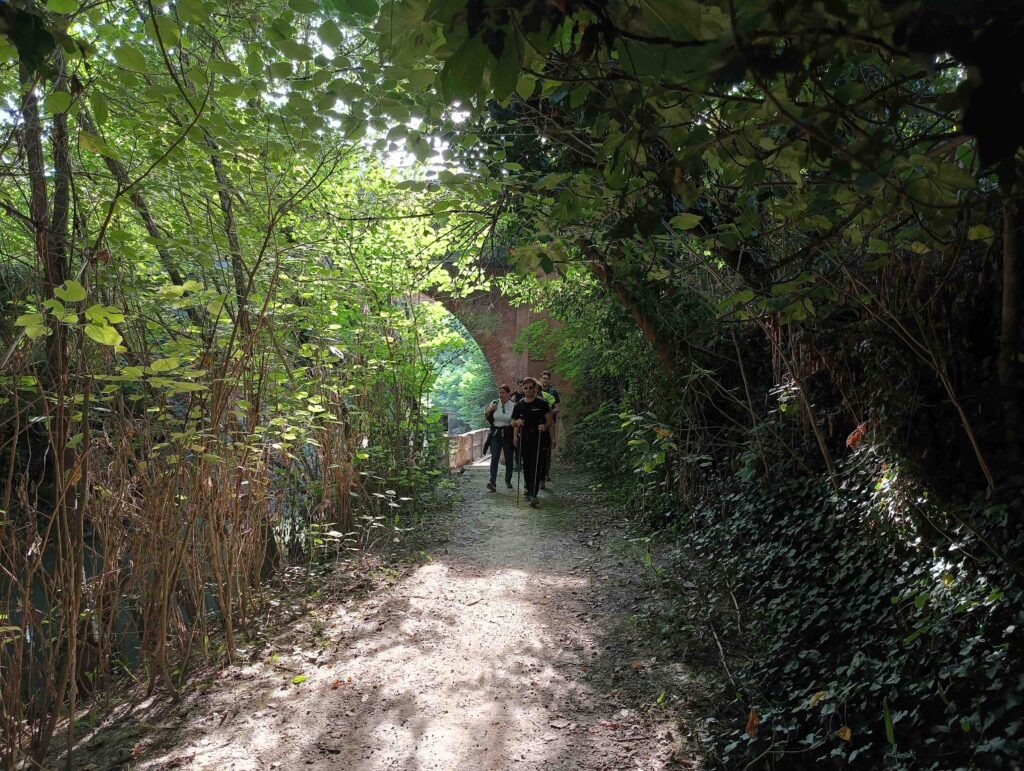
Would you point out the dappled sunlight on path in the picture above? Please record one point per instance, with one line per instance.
(478, 659)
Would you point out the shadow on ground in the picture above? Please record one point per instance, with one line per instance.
(510, 647)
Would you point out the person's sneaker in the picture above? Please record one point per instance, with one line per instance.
(491, 487)
(534, 502)
(508, 485)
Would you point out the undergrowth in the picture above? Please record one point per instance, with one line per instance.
(860, 626)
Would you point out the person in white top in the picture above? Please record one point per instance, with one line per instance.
(499, 415)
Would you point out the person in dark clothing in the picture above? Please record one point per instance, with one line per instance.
(499, 415)
(550, 395)
(531, 418)
(517, 395)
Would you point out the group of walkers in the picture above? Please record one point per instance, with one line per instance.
(524, 426)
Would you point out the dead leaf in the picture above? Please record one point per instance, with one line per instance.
(817, 697)
(335, 685)
(752, 723)
(844, 733)
(856, 435)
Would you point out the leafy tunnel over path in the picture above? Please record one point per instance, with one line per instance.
(774, 244)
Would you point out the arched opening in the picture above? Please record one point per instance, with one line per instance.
(464, 380)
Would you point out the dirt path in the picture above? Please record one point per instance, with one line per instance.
(510, 647)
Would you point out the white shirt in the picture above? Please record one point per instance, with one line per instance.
(503, 414)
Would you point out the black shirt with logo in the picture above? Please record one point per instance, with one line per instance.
(531, 413)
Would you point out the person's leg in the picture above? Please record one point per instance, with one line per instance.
(509, 450)
(529, 458)
(495, 444)
(551, 451)
(545, 460)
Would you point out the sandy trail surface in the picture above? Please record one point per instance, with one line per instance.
(508, 646)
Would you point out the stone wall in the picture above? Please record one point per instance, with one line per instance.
(466, 448)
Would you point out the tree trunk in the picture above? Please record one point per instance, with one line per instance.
(659, 339)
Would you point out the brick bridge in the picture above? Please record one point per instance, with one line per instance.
(495, 326)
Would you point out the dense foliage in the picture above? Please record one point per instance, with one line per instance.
(464, 384)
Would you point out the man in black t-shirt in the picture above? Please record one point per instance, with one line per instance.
(531, 419)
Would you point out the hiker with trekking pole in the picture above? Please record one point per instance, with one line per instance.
(531, 418)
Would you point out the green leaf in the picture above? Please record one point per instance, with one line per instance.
(100, 110)
(104, 334)
(165, 365)
(505, 73)
(330, 34)
(304, 6)
(361, 7)
(225, 68)
(164, 30)
(525, 86)
(299, 679)
(70, 292)
(461, 76)
(30, 320)
(193, 10)
(62, 6)
(685, 221)
(58, 102)
(980, 232)
(890, 734)
(130, 57)
(94, 144)
(216, 307)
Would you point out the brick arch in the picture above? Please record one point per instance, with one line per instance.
(495, 325)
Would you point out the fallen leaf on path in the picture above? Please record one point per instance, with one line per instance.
(335, 685)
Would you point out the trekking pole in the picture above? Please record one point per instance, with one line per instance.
(519, 466)
(536, 467)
